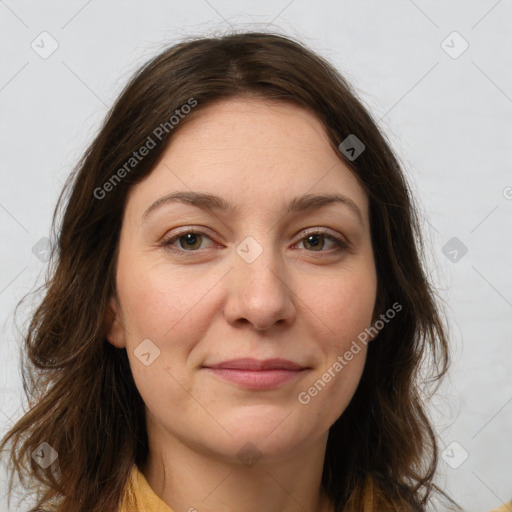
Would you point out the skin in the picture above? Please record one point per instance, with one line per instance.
(208, 304)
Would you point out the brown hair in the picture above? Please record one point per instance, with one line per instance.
(382, 451)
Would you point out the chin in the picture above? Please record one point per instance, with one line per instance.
(273, 438)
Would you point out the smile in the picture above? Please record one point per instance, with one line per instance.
(257, 375)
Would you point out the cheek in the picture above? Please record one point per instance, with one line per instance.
(171, 310)
(160, 304)
(342, 313)
(325, 396)
(342, 305)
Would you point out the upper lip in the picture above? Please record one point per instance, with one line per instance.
(258, 364)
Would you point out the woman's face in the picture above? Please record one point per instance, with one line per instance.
(200, 286)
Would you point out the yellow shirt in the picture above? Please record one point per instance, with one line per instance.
(506, 507)
(139, 497)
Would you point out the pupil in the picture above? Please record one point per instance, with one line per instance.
(313, 237)
(190, 239)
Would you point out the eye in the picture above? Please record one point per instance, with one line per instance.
(315, 241)
(187, 241)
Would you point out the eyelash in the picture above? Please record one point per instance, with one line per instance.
(342, 245)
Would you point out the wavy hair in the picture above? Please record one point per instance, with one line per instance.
(382, 452)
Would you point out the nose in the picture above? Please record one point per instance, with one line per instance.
(258, 293)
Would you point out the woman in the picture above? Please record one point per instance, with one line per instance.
(238, 311)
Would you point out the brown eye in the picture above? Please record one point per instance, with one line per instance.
(315, 242)
(189, 241)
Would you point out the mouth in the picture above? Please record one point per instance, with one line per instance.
(257, 374)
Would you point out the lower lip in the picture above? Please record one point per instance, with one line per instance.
(257, 379)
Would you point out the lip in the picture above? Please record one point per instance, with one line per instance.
(257, 374)
(257, 364)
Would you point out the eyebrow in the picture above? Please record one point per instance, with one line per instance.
(210, 202)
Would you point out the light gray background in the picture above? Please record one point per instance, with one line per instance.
(450, 120)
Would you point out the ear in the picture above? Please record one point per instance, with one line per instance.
(114, 328)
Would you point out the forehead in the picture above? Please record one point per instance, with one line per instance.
(250, 150)
(252, 125)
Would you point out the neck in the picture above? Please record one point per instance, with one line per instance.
(187, 478)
